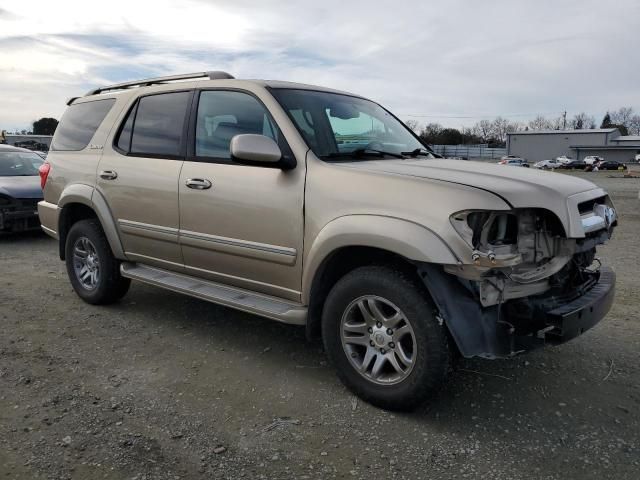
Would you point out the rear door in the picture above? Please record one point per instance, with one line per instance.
(138, 175)
(240, 224)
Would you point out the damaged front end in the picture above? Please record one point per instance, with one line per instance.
(527, 284)
(18, 215)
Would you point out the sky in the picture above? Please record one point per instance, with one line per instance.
(453, 62)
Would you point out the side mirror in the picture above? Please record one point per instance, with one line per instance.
(252, 148)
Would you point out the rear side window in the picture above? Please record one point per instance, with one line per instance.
(79, 123)
(156, 127)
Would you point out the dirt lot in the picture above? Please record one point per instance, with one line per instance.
(165, 386)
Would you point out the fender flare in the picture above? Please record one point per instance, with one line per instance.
(403, 237)
(90, 197)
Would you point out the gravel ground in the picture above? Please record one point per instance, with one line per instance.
(161, 386)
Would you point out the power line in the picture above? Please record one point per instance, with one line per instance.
(479, 116)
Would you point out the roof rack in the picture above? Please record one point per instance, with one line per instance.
(215, 75)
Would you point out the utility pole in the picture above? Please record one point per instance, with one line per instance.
(564, 120)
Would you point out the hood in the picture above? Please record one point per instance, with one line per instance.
(519, 186)
(21, 187)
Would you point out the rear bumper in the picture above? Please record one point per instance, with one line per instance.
(49, 214)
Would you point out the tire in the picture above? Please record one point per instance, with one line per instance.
(386, 288)
(102, 283)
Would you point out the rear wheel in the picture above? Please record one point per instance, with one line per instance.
(381, 333)
(93, 270)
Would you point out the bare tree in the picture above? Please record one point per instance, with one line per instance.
(634, 125)
(413, 125)
(540, 123)
(557, 123)
(582, 121)
(501, 127)
(622, 116)
(483, 129)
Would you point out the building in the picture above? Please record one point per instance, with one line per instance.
(548, 144)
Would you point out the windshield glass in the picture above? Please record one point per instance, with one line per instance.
(18, 164)
(336, 125)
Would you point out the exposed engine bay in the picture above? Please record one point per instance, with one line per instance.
(525, 252)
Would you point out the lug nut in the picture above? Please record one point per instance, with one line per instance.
(389, 331)
(379, 324)
(371, 343)
(370, 330)
(392, 345)
(382, 351)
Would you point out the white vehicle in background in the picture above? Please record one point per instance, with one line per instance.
(638, 158)
(563, 159)
(547, 164)
(591, 159)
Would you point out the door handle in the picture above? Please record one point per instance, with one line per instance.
(198, 183)
(108, 175)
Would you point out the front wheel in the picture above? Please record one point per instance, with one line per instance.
(93, 270)
(381, 333)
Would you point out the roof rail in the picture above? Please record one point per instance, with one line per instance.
(215, 75)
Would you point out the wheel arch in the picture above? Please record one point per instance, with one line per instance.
(358, 240)
(80, 202)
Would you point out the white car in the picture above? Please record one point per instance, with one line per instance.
(563, 159)
(591, 159)
(547, 164)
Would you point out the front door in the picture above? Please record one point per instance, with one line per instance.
(239, 224)
(139, 174)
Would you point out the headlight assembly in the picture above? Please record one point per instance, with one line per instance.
(493, 235)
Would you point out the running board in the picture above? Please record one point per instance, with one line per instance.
(258, 304)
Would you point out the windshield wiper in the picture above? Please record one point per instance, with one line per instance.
(419, 151)
(360, 152)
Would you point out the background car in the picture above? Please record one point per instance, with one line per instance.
(514, 162)
(611, 165)
(20, 189)
(592, 158)
(563, 159)
(547, 164)
(574, 165)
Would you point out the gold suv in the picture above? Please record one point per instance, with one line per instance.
(316, 207)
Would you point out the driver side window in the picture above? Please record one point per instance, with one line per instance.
(225, 114)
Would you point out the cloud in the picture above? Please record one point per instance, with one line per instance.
(447, 59)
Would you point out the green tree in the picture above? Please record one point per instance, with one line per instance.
(45, 126)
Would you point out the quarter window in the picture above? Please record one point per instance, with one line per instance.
(223, 115)
(79, 123)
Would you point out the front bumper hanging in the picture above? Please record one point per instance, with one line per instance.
(499, 331)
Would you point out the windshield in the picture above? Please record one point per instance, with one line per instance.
(18, 164)
(336, 125)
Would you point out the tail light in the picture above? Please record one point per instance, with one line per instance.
(43, 170)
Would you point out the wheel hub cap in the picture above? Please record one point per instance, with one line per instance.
(86, 264)
(378, 340)
(380, 337)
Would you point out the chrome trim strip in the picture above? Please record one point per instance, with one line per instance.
(148, 226)
(234, 242)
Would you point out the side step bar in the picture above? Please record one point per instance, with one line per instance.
(264, 305)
